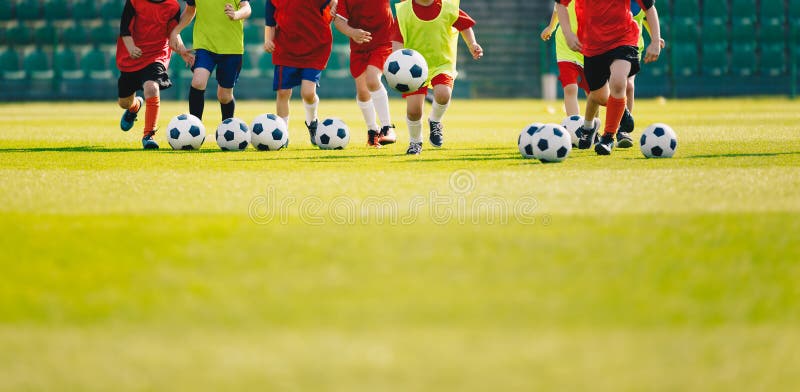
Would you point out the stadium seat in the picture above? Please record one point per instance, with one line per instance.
(743, 30)
(743, 59)
(65, 64)
(28, 10)
(95, 65)
(56, 10)
(6, 10)
(714, 10)
(772, 31)
(253, 34)
(248, 69)
(265, 65)
(794, 11)
(772, 9)
(85, 10)
(743, 8)
(45, 35)
(19, 35)
(105, 33)
(714, 30)
(338, 63)
(74, 35)
(773, 59)
(684, 58)
(111, 10)
(37, 64)
(686, 8)
(9, 64)
(685, 30)
(715, 59)
(257, 12)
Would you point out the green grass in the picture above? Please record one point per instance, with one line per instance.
(128, 270)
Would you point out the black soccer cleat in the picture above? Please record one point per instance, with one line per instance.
(624, 140)
(587, 137)
(312, 131)
(414, 148)
(626, 124)
(605, 145)
(436, 137)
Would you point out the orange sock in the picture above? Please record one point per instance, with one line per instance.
(615, 108)
(151, 115)
(135, 106)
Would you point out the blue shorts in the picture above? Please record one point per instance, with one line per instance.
(287, 77)
(229, 66)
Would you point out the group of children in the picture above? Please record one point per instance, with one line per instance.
(604, 55)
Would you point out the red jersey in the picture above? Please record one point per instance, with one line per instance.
(303, 37)
(607, 24)
(149, 24)
(374, 16)
(430, 12)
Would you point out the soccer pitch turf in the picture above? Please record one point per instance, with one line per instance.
(466, 268)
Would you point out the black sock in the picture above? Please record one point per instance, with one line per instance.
(196, 102)
(227, 109)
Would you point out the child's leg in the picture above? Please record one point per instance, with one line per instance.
(227, 103)
(152, 101)
(617, 84)
(571, 100)
(441, 100)
(365, 102)
(129, 103)
(308, 91)
(414, 106)
(380, 98)
(282, 104)
(629, 91)
(197, 91)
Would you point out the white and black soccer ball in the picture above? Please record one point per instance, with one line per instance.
(332, 134)
(269, 133)
(406, 70)
(551, 143)
(571, 124)
(186, 132)
(233, 135)
(658, 141)
(525, 140)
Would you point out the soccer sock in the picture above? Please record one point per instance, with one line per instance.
(380, 99)
(151, 115)
(286, 120)
(615, 108)
(368, 110)
(437, 111)
(227, 109)
(196, 102)
(311, 110)
(588, 123)
(414, 130)
(135, 106)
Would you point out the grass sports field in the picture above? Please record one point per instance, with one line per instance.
(464, 269)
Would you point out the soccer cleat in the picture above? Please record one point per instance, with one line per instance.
(148, 143)
(128, 117)
(436, 137)
(414, 148)
(587, 137)
(388, 136)
(373, 139)
(312, 131)
(605, 145)
(626, 124)
(624, 140)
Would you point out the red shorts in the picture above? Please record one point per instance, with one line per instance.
(571, 73)
(437, 80)
(359, 61)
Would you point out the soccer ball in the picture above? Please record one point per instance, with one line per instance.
(525, 140)
(233, 135)
(269, 133)
(406, 70)
(571, 124)
(658, 141)
(551, 143)
(186, 132)
(332, 134)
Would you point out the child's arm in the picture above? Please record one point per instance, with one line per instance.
(128, 13)
(357, 35)
(269, 26)
(474, 48)
(654, 49)
(647, 27)
(174, 37)
(242, 13)
(566, 28)
(548, 31)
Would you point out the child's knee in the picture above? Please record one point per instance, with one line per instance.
(125, 103)
(225, 95)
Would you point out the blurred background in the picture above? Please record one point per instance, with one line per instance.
(64, 49)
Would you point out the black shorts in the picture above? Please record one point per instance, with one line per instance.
(598, 68)
(130, 82)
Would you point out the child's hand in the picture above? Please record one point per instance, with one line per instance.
(334, 4)
(133, 50)
(546, 33)
(662, 42)
(230, 11)
(269, 45)
(572, 41)
(361, 36)
(476, 50)
(188, 57)
(653, 51)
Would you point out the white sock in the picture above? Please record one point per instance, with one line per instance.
(380, 99)
(286, 120)
(414, 131)
(437, 111)
(588, 123)
(368, 110)
(311, 110)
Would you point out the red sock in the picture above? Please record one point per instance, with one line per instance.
(135, 106)
(615, 108)
(151, 115)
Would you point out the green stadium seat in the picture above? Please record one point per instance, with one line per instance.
(257, 12)
(45, 35)
(65, 64)
(265, 65)
(104, 33)
(19, 35)
(56, 10)
(684, 59)
(743, 59)
(95, 64)
(773, 59)
(743, 8)
(37, 64)
(85, 10)
(715, 30)
(686, 8)
(743, 30)
(338, 63)
(253, 34)
(28, 10)
(772, 31)
(111, 10)
(794, 11)
(74, 34)
(685, 30)
(249, 70)
(3, 37)
(713, 10)
(6, 10)
(772, 9)
(10, 65)
(715, 59)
